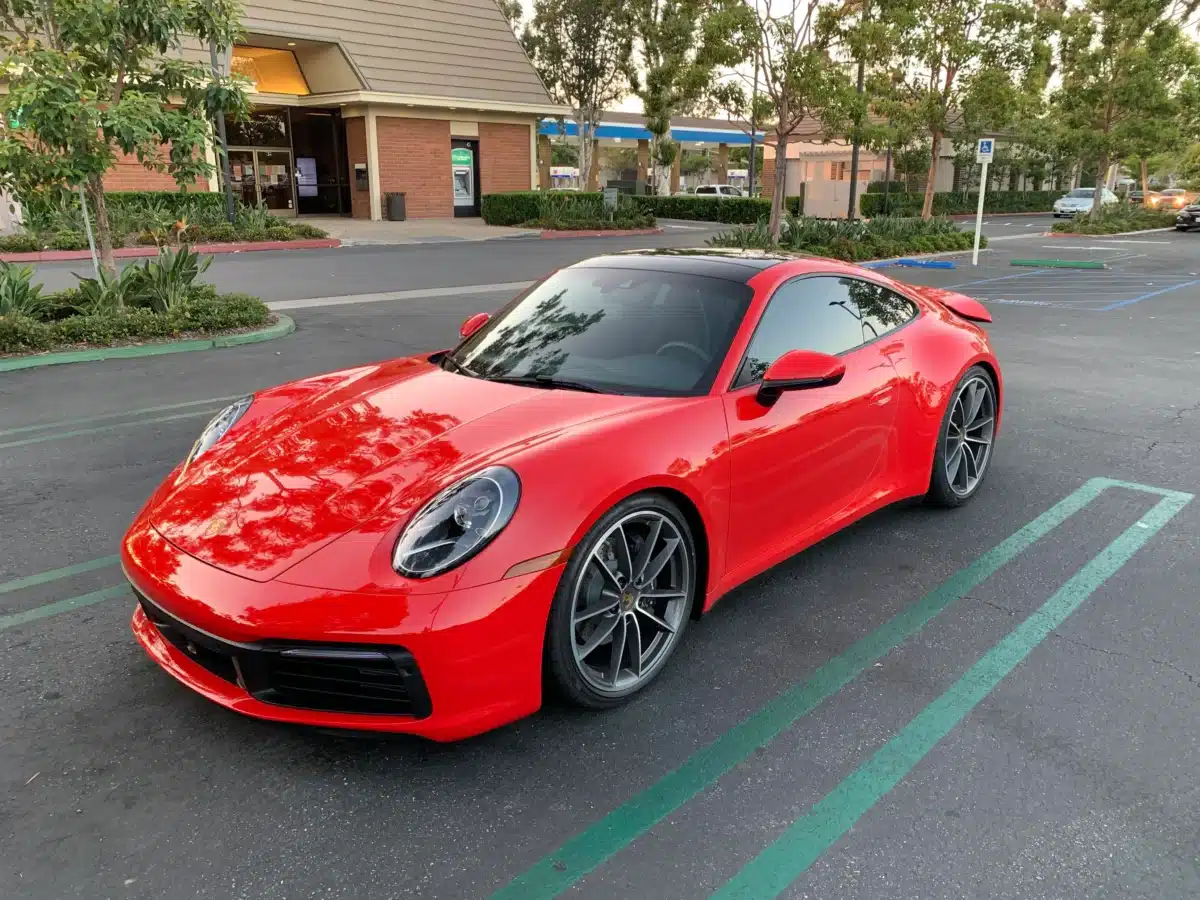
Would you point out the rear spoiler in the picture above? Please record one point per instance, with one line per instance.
(960, 304)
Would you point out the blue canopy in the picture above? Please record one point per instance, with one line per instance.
(733, 136)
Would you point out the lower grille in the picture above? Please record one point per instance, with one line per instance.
(348, 678)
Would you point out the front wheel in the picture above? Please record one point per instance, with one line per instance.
(623, 603)
(964, 449)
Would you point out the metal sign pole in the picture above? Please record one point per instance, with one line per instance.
(87, 227)
(983, 154)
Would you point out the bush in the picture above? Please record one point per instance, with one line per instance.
(69, 240)
(220, 234)
(20, 243)
(308, 232)
(205, 311)
(19, 296)
(280, 233)
(516, 207)
(732, 210)
(55, 211)
(881, 238)
(881, 187)
(1117, 218)
(949, 203)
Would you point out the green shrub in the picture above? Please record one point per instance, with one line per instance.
(731, 210)
(223, 311)
(69, 240)
(19, 333)
(1117, 218)
(308, 232)
(881, 187)
(107, 293)
(885, 237)
(250, 233)
(59, 211)
(948, 203)
(517, 207)
(280, 233)
(20, 243)
(168, 281)
(220, 234)
(19, 296)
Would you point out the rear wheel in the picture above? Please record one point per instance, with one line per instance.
(964, 449)
(623, 603)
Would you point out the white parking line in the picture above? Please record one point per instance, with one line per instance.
(507, 287)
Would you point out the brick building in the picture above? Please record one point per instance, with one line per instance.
(353, 101)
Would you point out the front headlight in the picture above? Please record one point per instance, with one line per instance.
(218, 427)
(457, 523)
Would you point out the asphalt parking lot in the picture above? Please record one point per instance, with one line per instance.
(998, 701)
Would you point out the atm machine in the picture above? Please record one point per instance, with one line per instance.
(462, 167)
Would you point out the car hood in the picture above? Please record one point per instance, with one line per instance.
(333, 453)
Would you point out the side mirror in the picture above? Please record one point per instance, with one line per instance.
(472, 325)
(798, 370)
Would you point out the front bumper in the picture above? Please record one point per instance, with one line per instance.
(450, 665)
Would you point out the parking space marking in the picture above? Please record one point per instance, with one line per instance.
(1132, 300)
(770, 873)
(117, 415)
(417, 294)
(18, 584)
(100, 429)
(69, 605)
(591, 848)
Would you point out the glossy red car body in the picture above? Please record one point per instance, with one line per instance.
(283, 531)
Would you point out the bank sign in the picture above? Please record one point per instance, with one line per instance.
(461, 156)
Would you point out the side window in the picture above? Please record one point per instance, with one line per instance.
(881, 310)
(705, 189)
(805, 314)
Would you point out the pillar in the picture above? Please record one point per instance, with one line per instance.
(545, 153)
(722, 168)
(675, 170)
(643, 166)
(593, 175)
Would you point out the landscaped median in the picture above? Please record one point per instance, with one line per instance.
(144, 221)
(1117, 218)
(149, 309)
(884, 237)
(567, 213)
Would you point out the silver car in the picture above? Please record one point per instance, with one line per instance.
(1080, 200)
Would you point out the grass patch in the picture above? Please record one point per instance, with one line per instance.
(881, 238)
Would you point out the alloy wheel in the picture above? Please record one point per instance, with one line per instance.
(629, 602)
(969, 435)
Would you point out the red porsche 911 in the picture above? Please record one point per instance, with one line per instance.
(419, 545)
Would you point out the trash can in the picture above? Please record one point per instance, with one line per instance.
(396, 211)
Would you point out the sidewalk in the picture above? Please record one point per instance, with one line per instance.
(364, 232)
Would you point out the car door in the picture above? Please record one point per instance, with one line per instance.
(813, 452)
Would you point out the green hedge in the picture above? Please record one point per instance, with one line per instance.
(207, 312)
(730, 210)
(880, 187)
(517, 207)
(949, 203)
(194, 205)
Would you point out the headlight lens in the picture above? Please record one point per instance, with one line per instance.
(457, 523)
(217, 428)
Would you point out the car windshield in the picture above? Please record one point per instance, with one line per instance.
(621, 331)
(1082, 193)
(1172, 192)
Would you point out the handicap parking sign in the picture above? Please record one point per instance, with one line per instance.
(984, 150)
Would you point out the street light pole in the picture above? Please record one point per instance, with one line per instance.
(753, 126)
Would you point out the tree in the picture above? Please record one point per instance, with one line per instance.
(797, 79)
(960, 64)
(1123, 65)
(677, 45)
(512, 12)
(581, 48)
(91, 79)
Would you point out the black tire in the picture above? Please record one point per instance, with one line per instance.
(560, 665)
(941, 492)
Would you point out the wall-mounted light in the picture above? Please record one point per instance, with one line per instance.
(291, 43)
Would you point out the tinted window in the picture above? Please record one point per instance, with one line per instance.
(881, 310)
(1082, 193)
(805, 314)
(706, 190)
(619, 330)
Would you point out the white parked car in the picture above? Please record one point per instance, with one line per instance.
(1080, 200)
(719, 190)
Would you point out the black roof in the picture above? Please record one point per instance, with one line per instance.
(732, 265)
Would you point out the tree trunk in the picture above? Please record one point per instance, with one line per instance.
(102, 228)
(1145, 179)
(1101, 184)
(931, 180)
(779, 187)
(584, 156)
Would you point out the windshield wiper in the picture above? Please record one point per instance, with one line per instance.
(449, 362)
(546, 381)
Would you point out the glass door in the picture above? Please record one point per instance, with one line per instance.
(276, 182)
(241, 176)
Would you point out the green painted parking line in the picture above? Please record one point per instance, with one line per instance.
(62, 606)
(770, 873)
(586, 851)
(28, 581)
(127, 414)
(1059, 263)
(78, 432)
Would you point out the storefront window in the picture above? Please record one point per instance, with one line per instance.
(264, 128)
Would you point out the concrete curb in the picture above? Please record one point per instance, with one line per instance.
(144, 252)
(621, 232)
(282, 328)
